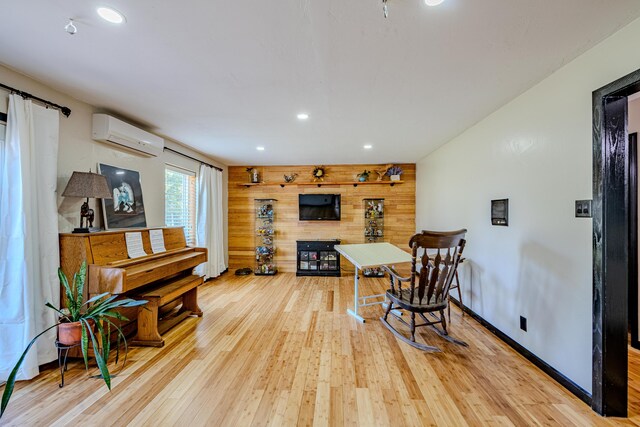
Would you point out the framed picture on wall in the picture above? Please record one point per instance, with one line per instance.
(500, 212)
(126, 209)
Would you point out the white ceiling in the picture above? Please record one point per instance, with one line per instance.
(227, 76)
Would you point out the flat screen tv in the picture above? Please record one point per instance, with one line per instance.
(319, 207)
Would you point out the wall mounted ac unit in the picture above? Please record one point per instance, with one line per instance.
(109, 129)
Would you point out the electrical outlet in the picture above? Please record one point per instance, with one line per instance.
(583, 209)
(523, 323)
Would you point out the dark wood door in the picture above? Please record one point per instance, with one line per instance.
(611, 260)
(633, 240)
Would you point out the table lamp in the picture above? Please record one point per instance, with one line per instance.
(87, 184)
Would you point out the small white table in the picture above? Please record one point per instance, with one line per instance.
(368, 255)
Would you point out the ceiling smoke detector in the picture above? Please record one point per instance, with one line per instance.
(70, 28)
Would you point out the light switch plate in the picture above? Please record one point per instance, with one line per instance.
(583, 209)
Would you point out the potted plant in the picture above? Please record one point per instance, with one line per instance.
(394, 172)
(364, 175)
(78, 323)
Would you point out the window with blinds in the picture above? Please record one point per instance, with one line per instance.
(180, 201)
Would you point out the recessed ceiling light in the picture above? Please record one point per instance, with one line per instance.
(432, 2)
(303, 116)
(368, 147)
(110, 15)
(260, 148)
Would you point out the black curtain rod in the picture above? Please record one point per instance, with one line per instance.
(64, 110)
(192, 158)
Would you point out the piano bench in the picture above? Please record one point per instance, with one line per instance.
(150, 328)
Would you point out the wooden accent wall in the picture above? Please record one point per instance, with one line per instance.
(399, 211)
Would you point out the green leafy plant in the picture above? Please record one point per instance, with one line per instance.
(98, 313)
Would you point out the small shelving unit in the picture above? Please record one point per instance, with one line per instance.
(320, 184)
(265, 234)
(373, 229)
(318, 258)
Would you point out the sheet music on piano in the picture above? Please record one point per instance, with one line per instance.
(135, 249)
(157, 241)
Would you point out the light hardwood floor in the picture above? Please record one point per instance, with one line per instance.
(282, 351)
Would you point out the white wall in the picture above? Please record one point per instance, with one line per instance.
(536, 151)
(78, 152)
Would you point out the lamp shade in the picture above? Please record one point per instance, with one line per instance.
(87, 184)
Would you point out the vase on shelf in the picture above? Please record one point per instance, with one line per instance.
(394, 177)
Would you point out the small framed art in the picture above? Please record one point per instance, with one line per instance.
(126, 209)
(500, 212)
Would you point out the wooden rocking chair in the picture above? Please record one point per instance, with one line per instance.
(438, 254)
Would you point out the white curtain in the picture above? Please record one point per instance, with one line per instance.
(209, 221)
(28, 235)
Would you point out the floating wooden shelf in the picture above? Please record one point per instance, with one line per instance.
(320, 184)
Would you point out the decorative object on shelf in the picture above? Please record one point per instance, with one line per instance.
(266, 229)
(89, 185)
(126, 208)
(394, 172)
(264, 237)
(319, 173)
(290, 178)
(95, 313)
(254, 176)
(265, 211)
(382, 171)
(373, 208)
(364, 175)
(318, 184)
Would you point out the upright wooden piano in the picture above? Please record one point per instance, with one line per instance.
(164, 279)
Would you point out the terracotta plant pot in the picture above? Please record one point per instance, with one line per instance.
(71, 333)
